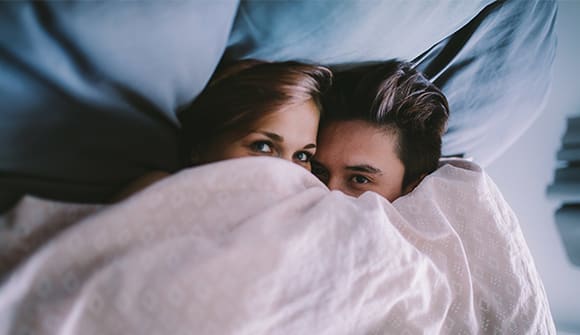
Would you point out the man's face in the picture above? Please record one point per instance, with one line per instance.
(356, 156)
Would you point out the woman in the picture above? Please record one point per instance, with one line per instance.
(255, 108)
(252, 108)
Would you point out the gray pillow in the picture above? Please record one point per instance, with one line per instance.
(496, 73)
(90, 90)
(492, 59)
(337, 32)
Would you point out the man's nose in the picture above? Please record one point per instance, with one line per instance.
(288, 157)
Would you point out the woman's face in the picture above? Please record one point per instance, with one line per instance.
(289, 133)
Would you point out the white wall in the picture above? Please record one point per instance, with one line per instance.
(527, 168)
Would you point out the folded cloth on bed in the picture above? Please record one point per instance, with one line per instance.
(260, 246)
(32, 223)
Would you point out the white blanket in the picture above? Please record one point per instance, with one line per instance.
(260, 246)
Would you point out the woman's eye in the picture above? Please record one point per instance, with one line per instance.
(262, 147)
(303, 157)
(358, 179)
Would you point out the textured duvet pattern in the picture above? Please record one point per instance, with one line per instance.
(259, 246)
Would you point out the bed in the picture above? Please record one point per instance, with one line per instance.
(90, 92)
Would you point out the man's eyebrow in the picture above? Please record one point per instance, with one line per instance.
(309, 146)
(364, 168)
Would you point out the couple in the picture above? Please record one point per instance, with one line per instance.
(373, 128)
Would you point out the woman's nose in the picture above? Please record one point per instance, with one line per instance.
(287, 158)
(334, 184)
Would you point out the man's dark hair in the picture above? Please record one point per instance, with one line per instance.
(399, 99)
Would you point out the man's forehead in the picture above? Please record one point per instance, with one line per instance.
(354, 142)
(355, 132)
(355, 149)
(345, 159)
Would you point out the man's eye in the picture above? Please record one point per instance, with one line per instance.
(262, 147)
(358, 179)
(303, 156)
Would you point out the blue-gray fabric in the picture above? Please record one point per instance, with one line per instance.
(89, 90)
(492, 59)
(336, 32)
(496, 73)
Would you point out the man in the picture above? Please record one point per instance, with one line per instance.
(382, 130)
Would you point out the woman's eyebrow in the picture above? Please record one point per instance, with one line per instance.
(364, 168)
(273, 136)
(277, 138)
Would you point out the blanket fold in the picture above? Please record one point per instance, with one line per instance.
(260, 246)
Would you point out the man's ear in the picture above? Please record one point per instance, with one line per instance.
(414, 184)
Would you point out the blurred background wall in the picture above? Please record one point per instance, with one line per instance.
(524, 172)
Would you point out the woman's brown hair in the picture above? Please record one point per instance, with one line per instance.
(244, 92)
